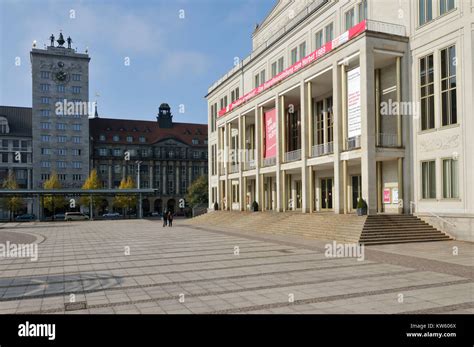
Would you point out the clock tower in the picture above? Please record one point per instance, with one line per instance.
(60, 112)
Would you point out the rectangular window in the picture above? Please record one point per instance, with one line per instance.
(319, 39)
(329, 31)
(294, 55)
(362, 10)
(349, 19)
(450, 179)
(76, 139)
(76, 127)
(45, 74)
(274, 69)
(45, 151)
(142, 139)
(76, 77)
(61, 126)
(445, 6)
(45, 113)
(280, 65)
(45, 138)
(102, 152)
(45, 100)
(61, 164)
(117, 152)
(45, 125)
(44, 87)
(76, 90)
(427, 93)
(62, 138)
(256, 80)
(76, 152)
(61, 88)
(302, 49)
(76, 164)
(448, 86)
(62, 151)
(262, 76)
(45, 164)
(428, 179)
(425, 11)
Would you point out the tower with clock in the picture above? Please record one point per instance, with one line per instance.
(60, 112)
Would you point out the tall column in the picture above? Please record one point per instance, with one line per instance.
(283, 128)
(258, 152)
(377, 107)
(379, 187)
(178, 185)
(309, 100)
(304, 147)
(344, 106)
(164, 167)
(151, 165)
(311, 189)
(284, 191)
(368, 166)
(337, 98)
(399, 99)
(401, 195)
(344, 186)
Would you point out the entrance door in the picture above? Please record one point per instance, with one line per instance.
(356, 190)
(326, 193)
(298, 194)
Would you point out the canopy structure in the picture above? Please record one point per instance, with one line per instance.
(39, 194)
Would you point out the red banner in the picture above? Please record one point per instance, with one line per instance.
(270, 133)
(309, 59)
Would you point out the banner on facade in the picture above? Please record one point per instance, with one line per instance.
(306, 61)
(353, 103)
(270, 133)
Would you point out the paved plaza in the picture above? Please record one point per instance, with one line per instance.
(137, 266)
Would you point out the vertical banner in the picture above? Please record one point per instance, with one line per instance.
(353, 103)
(270, 133)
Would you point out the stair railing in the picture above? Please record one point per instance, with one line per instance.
(443, 220)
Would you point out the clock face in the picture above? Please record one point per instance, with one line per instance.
(60, 64)
(61, 76)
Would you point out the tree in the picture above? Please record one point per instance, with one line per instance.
(14, 203)
(92, 182)
(51, 202)
(125, 201)
(198, 193)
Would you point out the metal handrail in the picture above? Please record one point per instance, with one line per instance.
(293, 155)
(412, 203)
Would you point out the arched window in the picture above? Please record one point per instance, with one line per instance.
(4, 128)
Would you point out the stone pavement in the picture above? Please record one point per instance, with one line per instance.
(137, 266)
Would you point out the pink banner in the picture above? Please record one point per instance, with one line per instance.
(270, 134)
(312, 57)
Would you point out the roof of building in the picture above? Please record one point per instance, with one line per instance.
(19, 120)
(183, 132)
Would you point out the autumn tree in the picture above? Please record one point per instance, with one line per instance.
(92, 182)
(198, 193)
(13, 203)
(125, 202)
(52, 202)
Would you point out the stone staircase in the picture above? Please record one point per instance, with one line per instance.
(370, 230)
(385, 229)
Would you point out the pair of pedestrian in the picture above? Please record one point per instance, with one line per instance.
(167, 219)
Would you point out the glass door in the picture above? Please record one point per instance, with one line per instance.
(356, 190)
(326, 193)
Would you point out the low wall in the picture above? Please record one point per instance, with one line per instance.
(462, 230)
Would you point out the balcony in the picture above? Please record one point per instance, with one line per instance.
(293, 156)
(322, 149)
(269, 162)
(233, 168)
(386, 28)
(249, 165)
(388, 140)
(353, 143)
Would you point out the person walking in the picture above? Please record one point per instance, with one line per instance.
(170, 218)
(165, 218)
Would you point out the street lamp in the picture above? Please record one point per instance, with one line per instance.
(140, 212)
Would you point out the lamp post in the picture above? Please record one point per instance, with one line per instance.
(140, 212)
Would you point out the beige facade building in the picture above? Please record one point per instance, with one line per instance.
(342, 100)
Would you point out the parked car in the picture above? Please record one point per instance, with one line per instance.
(111, 215)
(59, 216)
(70, 216)
(156, 214)
(27, 217)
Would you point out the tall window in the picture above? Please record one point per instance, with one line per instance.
(427, 92)
(446, 6)
(319, 123)
(256, 80)
(349, 18)
(329, 120)
(280, 65)
(450, 179)
(425, 11)
(319, 39)
(428, 179)
(448, 86)
(294, 55)
(262, 76)
(362, 10)
(329, 32)
(302, 49)
(274, 69)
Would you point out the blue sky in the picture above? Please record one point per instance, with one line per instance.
(172, 59)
